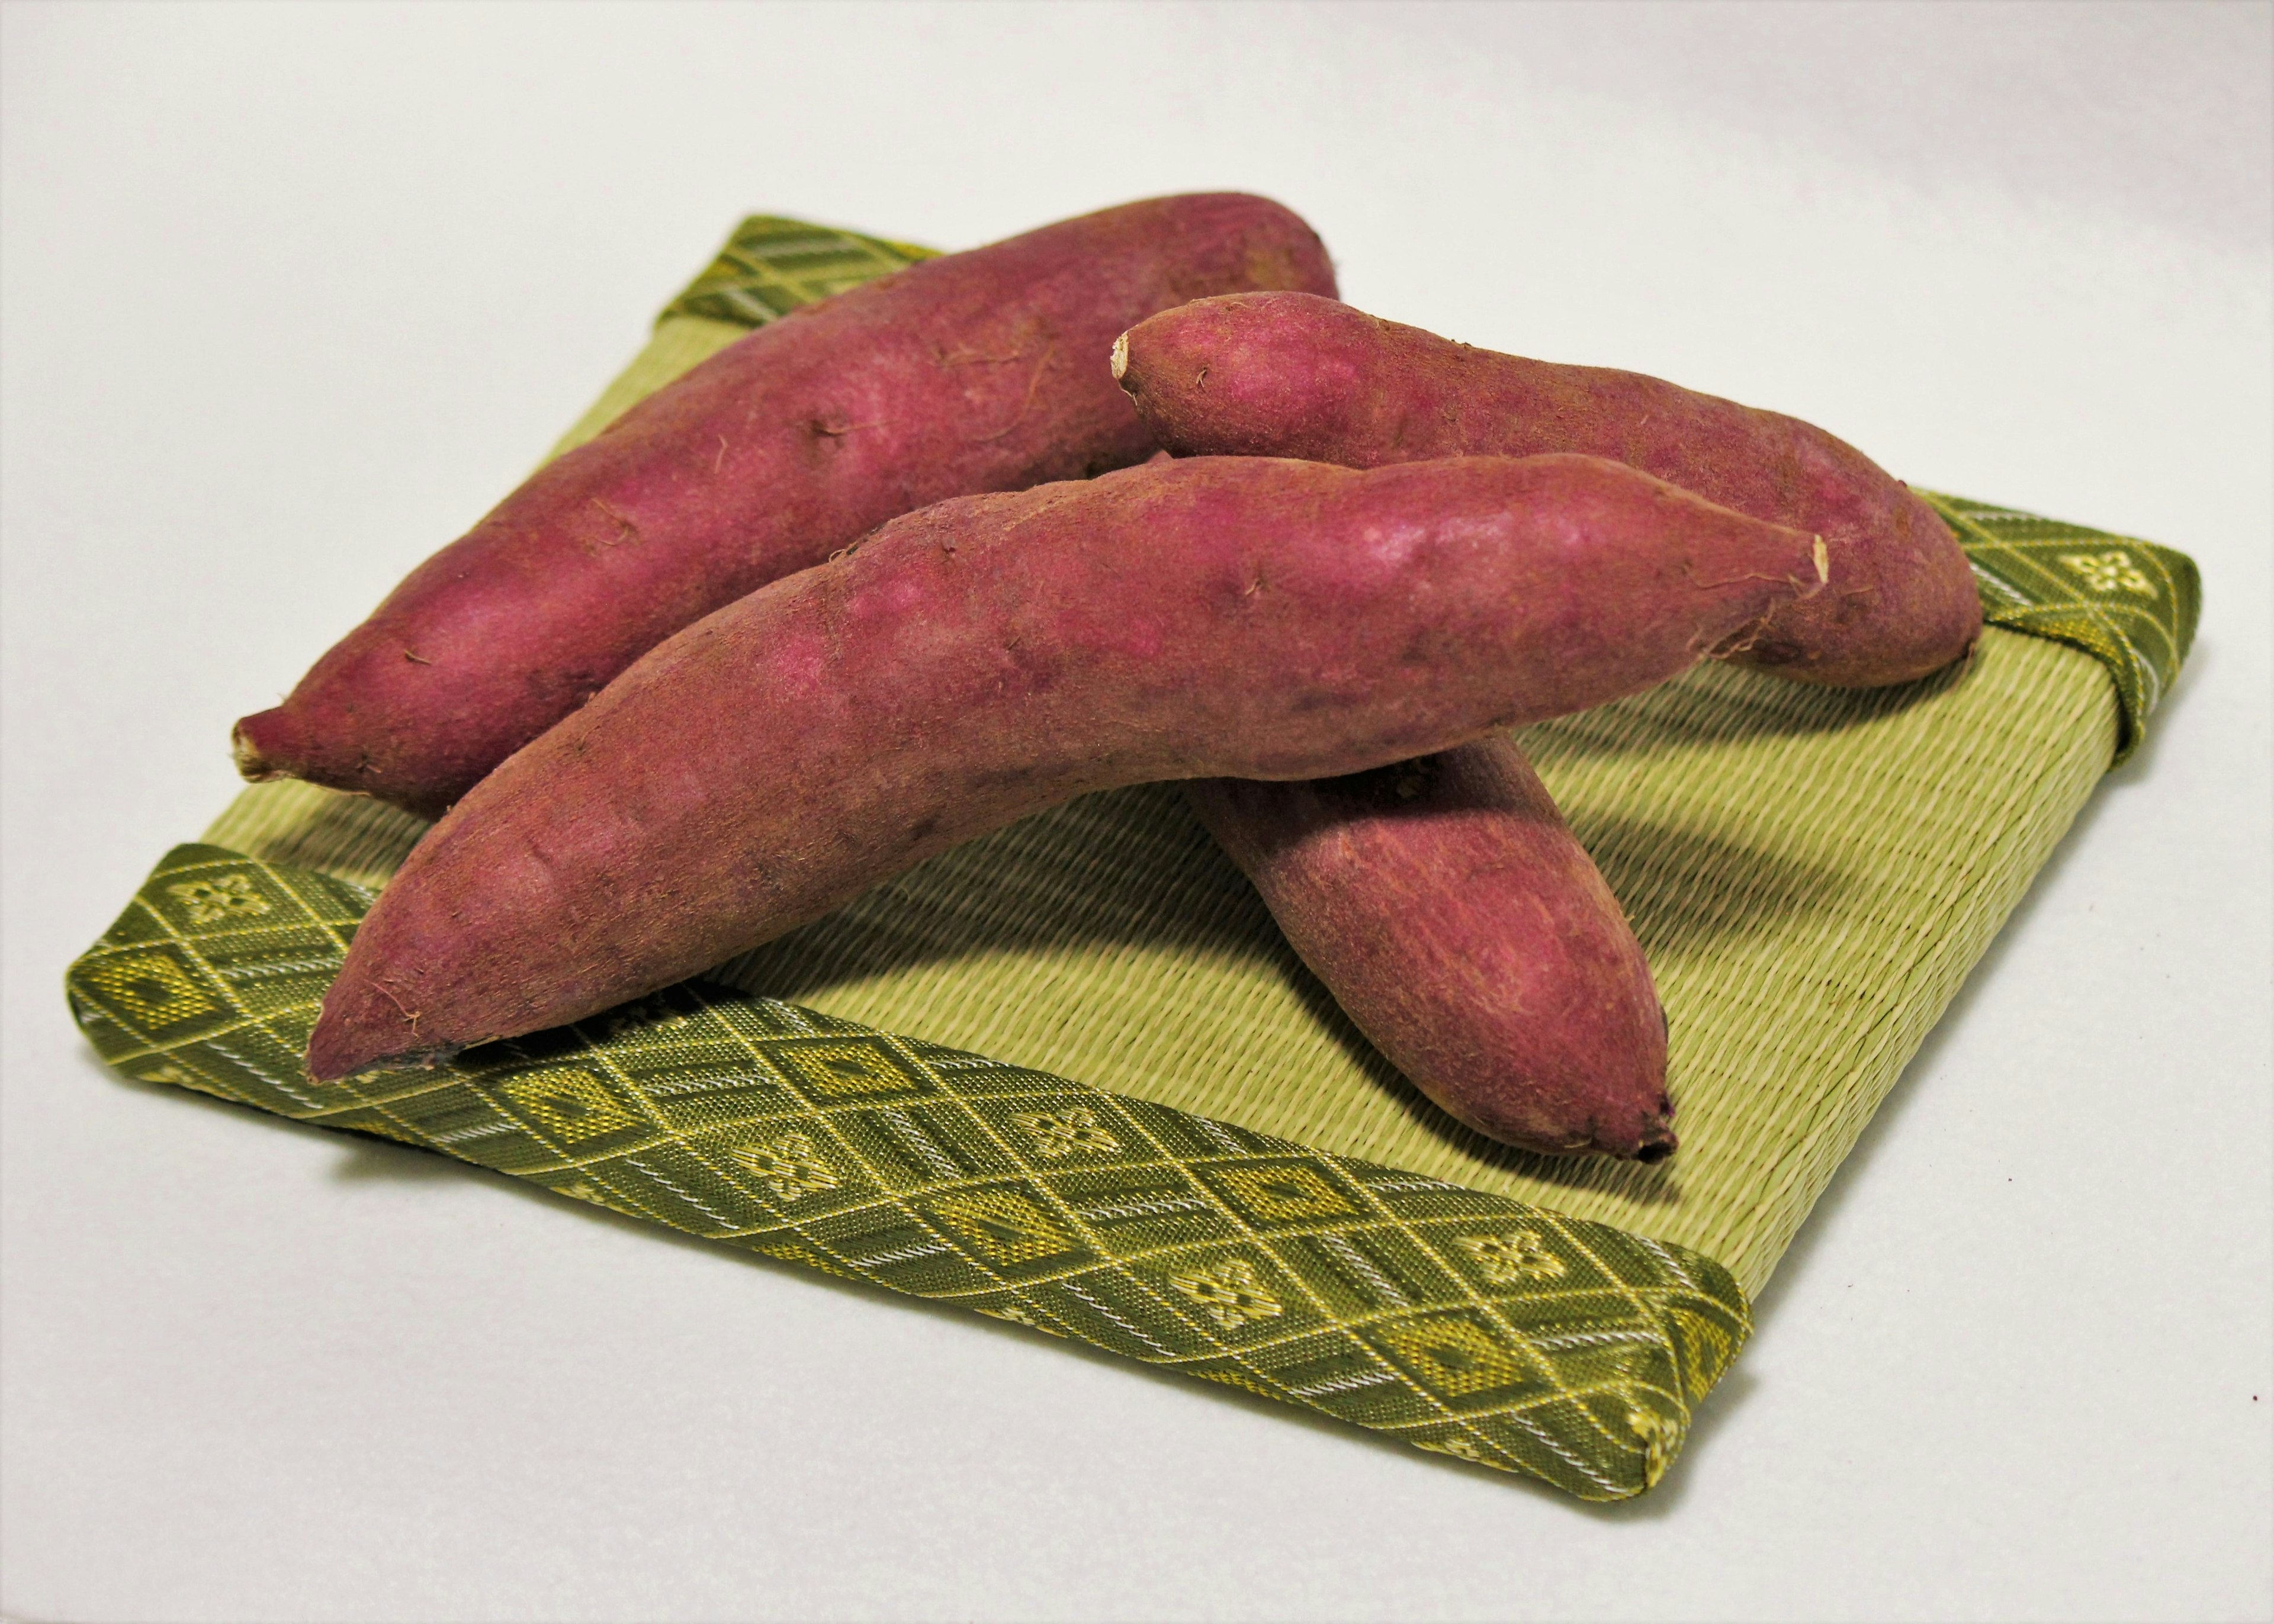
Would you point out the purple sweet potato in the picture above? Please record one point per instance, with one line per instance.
(1293, 374)
(978, 371)
(1447, 906)
(993, 656)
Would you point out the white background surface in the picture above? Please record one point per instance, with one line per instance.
(291, 294)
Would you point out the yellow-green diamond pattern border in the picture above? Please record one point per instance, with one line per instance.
(1281, 1192)
(1005, 1226)
(570, 1104)
(772, 266)
(859, 1068)
(1459, 1355)
(2130, 603)
(152, 988)
(1326, 1285)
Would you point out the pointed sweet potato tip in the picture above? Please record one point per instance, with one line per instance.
(258, 742)
(363, 1028)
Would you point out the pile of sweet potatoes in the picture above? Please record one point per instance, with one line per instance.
(865, 586)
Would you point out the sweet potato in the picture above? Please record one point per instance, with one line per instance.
(1293, 374)
(993, 656)
(1447, 906)
(977, 372)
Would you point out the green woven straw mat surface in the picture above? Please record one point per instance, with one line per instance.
(1070, 1075)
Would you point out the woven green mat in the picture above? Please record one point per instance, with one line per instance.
(1070, 1075)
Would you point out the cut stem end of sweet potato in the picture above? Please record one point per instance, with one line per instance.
(253, 762)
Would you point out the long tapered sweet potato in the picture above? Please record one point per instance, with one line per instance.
(1447, 907)
(977, 372)
(1293, 374)
(993, 656)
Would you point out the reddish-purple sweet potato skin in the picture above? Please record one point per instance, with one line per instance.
(1293, 374)
(1447, 907)
(977, 372)
(993, 656)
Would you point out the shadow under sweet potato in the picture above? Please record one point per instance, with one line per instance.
(1131, 869)
(1686, 892)
(1714, 703)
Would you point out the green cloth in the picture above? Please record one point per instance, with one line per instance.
(1811, 871)
(771, 266)
(2129, 603)
(1461, 1322)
